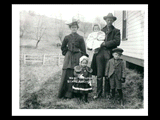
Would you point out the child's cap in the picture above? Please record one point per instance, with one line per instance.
(83, 58)
(118, 50)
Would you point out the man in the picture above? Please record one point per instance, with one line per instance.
(112, 40)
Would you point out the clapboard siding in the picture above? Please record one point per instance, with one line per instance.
(139, 43)
(118, 22)
(134, 45)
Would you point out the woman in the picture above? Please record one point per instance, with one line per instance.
(73, 47)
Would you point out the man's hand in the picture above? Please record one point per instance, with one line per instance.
(103, 44)
(106, 77)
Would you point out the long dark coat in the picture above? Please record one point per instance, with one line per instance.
(112, 40)
(115, 71)
(73, 47)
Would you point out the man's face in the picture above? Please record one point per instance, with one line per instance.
(109, 21)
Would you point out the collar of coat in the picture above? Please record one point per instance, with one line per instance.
(74, 34)
(118, 61)
(106, 28)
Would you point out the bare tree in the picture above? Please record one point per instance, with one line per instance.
(60, 34)
(84, 27)
(60, 28)
(40, 29)
(25, 23)
(99, 21)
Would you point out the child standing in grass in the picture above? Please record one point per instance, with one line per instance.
(115, 72)
(82, 85)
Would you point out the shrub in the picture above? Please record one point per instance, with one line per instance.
(133, 88)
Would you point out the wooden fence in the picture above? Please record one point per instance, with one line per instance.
(44, 59)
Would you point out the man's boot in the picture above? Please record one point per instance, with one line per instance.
(99, 88)
(107, 88)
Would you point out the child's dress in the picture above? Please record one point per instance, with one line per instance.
(82, 85)
(93, 42)
(95, 39)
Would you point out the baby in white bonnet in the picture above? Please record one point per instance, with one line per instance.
(95, 39)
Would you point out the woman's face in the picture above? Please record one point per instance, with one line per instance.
(74, 28)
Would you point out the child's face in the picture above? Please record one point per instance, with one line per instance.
(84, 63)
(116, 55)
(96, 28)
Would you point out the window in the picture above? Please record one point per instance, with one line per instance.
(124, 25)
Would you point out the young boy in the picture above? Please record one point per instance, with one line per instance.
(115, 72)
(82, 72)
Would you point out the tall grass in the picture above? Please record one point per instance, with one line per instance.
(39, 90)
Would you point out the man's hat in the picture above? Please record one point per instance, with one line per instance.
(110, 15)
(118, 50)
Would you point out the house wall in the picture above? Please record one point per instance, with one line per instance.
(134, 45)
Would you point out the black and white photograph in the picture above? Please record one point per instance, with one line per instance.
(79, 59)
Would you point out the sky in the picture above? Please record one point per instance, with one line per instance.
(67, 11)
(89, 12)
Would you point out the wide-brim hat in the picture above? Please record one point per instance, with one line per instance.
(73, 22)
(118, 50)
(110, 15)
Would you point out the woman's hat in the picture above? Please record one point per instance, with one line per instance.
(110, 15)
(73, 22)
(118, 50)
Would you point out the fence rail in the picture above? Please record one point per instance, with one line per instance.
(44, 59)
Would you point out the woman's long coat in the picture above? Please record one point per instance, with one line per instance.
(73, 47)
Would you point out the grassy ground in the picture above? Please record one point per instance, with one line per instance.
(40, 84)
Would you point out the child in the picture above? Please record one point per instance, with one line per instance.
(115, 72)
(95, 39)
(82, 72)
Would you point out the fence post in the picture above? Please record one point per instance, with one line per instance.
(58, 59)
(43, 59)
(24, 58)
